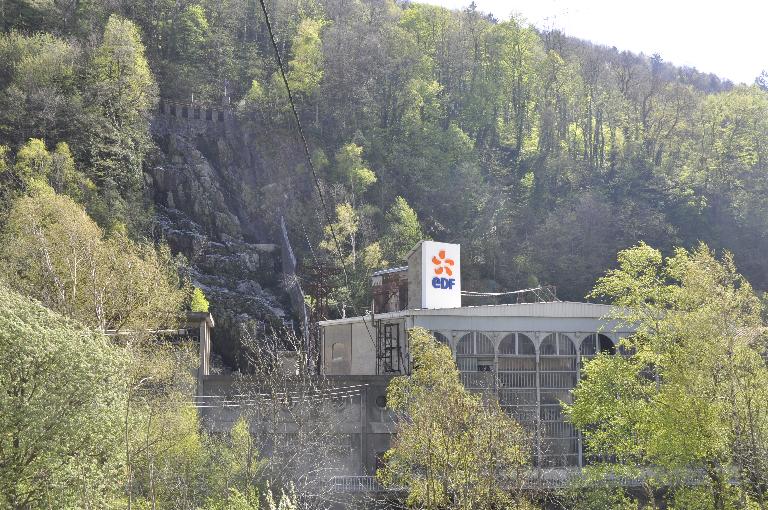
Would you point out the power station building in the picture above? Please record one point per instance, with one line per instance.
(528, 355)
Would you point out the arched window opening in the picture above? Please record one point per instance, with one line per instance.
(474, 355)
(558, 362)
(475, 343)
(440, 337)
(548, 348)
(557, 377)
(465, 345)
(517, 377)
(597, 342)
(483, 344)
(525, 346)
(508, 344)
(514, 346)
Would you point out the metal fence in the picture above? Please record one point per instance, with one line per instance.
(355, 484)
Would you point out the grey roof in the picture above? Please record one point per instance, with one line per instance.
(400, 269)
(563, 309)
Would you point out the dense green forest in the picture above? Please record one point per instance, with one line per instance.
(542, 154)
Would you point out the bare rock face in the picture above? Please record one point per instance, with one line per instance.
(207, 191)
(188, 182)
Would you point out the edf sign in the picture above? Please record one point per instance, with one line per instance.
(441, 275)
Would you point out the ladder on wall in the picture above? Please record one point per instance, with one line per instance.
(389, 348)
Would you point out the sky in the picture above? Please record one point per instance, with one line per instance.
(729, 39)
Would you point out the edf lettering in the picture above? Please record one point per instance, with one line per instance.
(443, 283)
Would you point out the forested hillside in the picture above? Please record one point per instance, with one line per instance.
(541, 154)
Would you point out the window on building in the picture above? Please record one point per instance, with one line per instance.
(474, 343)
(557, 344)
(558, 362)
(517, 362)
(474, 358)
(440, 338)
(517, 343)
(595, 343)
(338, 352)
(517, 377)
(557, 377)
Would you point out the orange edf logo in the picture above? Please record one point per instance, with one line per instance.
(442, 264)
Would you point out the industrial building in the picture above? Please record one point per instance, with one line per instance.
(527, 354)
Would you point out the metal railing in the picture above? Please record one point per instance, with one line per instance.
(355, 484)
(546, 478)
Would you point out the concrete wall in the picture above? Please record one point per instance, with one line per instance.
(362, 418)
(414, 278)
(452, 325)
(337, 349)
(349, 349)
(360, 353)
(191, 119)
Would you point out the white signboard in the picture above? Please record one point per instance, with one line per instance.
(441, 275)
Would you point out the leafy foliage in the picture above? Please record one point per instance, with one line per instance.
(403, 231)
(306, 66)
(54, 252)
(452, 449)
(198, 302)
(686, 395)
(62, 400)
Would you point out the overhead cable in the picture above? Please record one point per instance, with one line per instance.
(311, 164)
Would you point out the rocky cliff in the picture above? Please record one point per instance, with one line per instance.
(209, 188)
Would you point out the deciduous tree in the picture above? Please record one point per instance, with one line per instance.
(452, 448)
(62, 402)
(54, 252)
(684, 403)
(403, 231)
